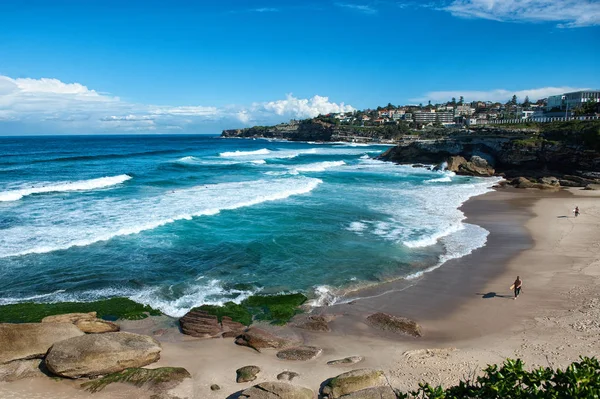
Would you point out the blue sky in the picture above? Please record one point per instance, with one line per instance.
(198, 66)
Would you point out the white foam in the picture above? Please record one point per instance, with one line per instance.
(74, 223)
(82, 185)
(319, 166)
(445, 179)
(324, 296)
(357, 227)
(230, 154)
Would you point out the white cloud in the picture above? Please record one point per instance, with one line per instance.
(358, 7)
(52, 106)
(499, 95)
(567, 13)
(265, 9)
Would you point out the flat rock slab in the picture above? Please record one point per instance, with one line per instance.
(32, 340)
(257, 338)
(246, 374)
(159, 380)
(20, 369)
(314, 323)
(395, 324)
(346, 361)
(99, 354)
(287, 375)
(372, 393)
(353, 381)
(201, 324)
(86, 322)
(277, 390)
(300, 353)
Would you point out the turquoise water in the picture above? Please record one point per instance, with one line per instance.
(179, 221)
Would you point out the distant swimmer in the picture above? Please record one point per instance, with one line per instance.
(576, 211)
(517, 286)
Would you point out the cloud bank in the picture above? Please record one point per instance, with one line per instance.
(52, 106)
(567, 13)
(497, 95)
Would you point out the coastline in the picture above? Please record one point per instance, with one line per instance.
(464, 307)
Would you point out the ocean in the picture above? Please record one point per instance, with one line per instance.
(179, 221)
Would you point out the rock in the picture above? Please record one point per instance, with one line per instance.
(372, 393)
(258, 339)
(99, 354)
(314, 323)
(345, 361)
(300, 353)
(159, 380)
(86, 322)
(550, 181)
(386, 322)
(19, 369)
(32, 340)
(287, 375)
(198, 323)
(246, 374)
(201, 324)
(276, 390)
(522, 182)
(592, 187)
(353, 381)
(477, 166)
(215, 387)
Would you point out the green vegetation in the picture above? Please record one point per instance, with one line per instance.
(278, 309)
(110, 309)
(153, 378)
(586, 133)
(579, 380)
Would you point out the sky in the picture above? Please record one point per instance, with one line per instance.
(102, 67)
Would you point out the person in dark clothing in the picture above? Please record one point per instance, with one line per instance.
(518, 284)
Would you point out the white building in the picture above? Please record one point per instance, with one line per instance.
(572, 100)
(464, 110)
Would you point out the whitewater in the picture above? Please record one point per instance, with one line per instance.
(180, 221)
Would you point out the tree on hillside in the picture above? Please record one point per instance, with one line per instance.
(461, 100)
(453, 101)
(390, 106)
(513, 101)
(526, 103)
(429, 103)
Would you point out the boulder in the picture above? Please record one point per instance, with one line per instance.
(353, 381)
(32, 340)
(99, 354)
(477, 166)
(314, 323)
(592, 187)
(257, 338)
(550, 181)
(276, 390)
(246, 374)
(86, 322)
(345, 361)
(215, 387)
(201, 324)
(159, 380)
(287, 375)
(372, 393)
(395, 324)
(19, 369)
(300, 353)
(522, 182)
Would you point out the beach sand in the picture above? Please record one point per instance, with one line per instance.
(467, 312)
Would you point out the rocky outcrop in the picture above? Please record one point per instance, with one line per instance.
(99, 354)
(277, 390)
(246, 374)
(345, 361)
(158, 381)
(86, 322)
(32, 340)
(476, 166)
(395, 324)
(522, 182)
(372, 393)
(353, 381)
(302, 353)
(201, 324)
(20, 369)
(257, 338)
(287, 375)
(314, 323)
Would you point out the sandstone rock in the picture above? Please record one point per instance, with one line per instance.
(300, 353)
(32, 340)
(201, 324)
(98, 354)
(86, 322)
(258, 339)
(287, 375)
(215, 387)
(314, 323)
(522, 182)
(592, 187)
(372, 393)
(353, 381)
(19, 369)
(550, 181)
(386, 322)
(276, 390)
(477, 166)
(246, 374)
(345, 361)
(159, 380)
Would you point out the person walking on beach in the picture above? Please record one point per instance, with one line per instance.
(517, 286)
(576, 211)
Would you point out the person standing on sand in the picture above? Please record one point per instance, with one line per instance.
(576, 211)
(518, 284)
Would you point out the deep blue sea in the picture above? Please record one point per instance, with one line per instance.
(179, 221)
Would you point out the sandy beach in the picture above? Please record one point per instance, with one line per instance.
(465, 308)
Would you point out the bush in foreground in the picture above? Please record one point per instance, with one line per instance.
(580, 380)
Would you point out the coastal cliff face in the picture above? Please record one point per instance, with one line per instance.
(301, 131)
(575, 164)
